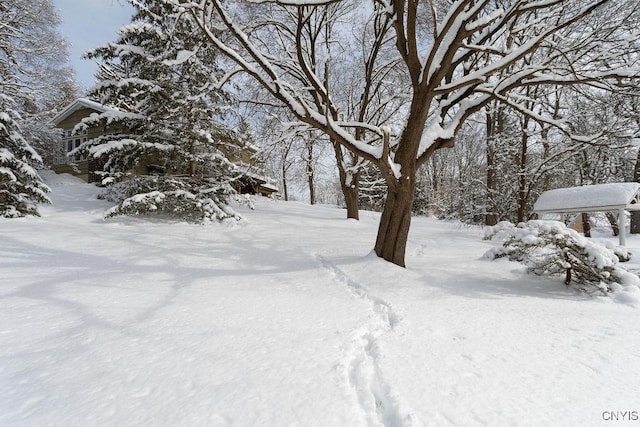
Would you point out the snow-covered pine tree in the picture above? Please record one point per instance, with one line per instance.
(32, 65)
(171, 148)
(549, 248)
(20, 185)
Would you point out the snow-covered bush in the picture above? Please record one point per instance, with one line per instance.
(551, 248)
(184, 198)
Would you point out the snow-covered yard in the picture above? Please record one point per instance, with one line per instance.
(289, 320)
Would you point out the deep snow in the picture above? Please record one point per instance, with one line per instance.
(288, 319)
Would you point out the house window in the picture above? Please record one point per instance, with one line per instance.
(71, 141)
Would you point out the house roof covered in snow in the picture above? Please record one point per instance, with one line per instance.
(77, 105)
(590, 198)
(81, 103)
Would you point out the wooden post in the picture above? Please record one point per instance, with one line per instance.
(586, 225)
(623, 233)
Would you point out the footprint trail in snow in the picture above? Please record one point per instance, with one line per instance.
(362, 359)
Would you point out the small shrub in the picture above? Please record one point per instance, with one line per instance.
(551, 248)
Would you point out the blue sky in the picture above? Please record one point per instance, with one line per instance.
(87, 24)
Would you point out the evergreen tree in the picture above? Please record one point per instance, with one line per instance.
(172, 142)
(549, 248)
(32, 71)
(20, 184)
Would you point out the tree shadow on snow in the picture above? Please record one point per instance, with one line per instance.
(62, 278)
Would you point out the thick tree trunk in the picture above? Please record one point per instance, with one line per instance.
(351, 194)
(613, 221)
(393, 230)
(349, 184)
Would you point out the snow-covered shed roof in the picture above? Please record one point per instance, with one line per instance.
(590, 198)
(77, 105)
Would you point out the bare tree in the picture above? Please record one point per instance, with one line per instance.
(355, 63)
(454, 55)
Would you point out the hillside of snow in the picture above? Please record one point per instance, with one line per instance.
(288, 319)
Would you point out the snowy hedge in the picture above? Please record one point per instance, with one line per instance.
(184, 198)
(551, 248)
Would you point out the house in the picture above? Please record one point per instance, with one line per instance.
(252, 180)
(66, 120)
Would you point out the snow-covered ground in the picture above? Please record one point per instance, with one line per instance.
(289, 320)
